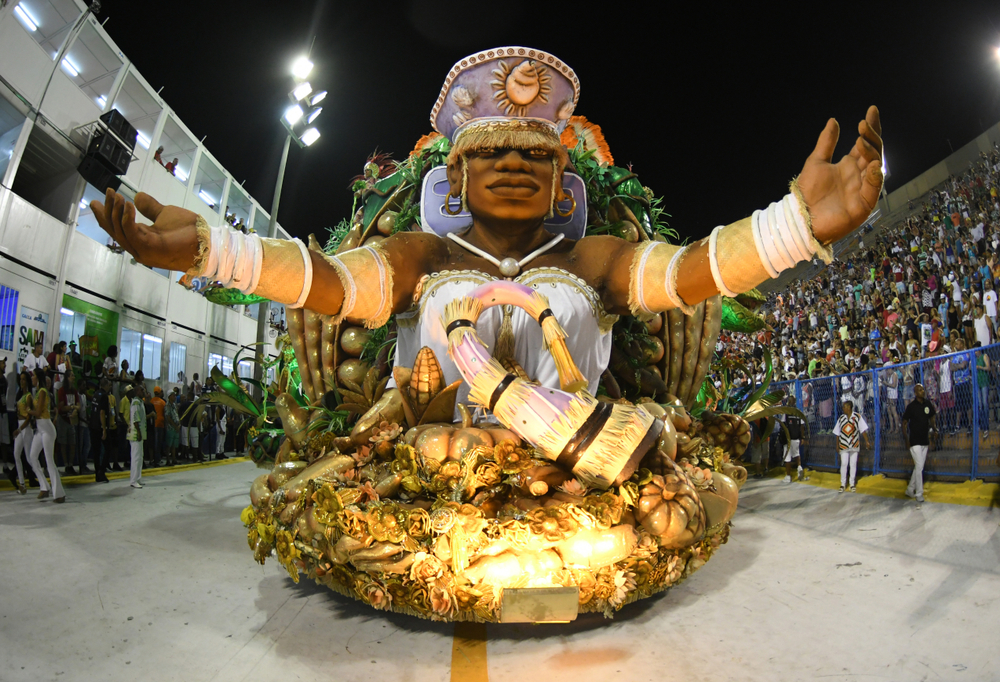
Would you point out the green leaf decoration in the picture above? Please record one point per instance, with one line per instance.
(223, 296)
(235, 391)
(737, 318)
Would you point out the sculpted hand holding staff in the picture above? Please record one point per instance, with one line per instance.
(503, 110)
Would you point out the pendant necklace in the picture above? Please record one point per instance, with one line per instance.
(508, 267)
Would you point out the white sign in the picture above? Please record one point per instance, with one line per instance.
(31, 330)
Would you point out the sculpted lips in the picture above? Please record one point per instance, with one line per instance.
(514, 187)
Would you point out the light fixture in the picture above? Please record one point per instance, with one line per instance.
(68, 65)
(301, 91)
(293, 114)
(154, 339)
(67, 311)
(302, 67)
(83, 204)
(318, 97)
(29, 21)
(206, 197)
(313, 114)
(310, 136)
(143, 140)
(103, 101)
(181, 174)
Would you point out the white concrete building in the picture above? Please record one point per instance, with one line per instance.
(58, 275)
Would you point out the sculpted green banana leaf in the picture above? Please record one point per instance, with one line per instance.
(737, 318)
(232, 297)
(234, 391)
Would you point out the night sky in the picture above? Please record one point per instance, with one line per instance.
(715, 109)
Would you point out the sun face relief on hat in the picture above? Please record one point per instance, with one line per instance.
(506, 87)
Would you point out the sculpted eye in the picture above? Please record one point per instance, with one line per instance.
(539, 153)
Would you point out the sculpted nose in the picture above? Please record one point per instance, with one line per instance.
(512, 161)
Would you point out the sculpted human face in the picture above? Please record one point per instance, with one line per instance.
(507, 184)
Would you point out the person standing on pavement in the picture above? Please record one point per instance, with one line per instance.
(98, 430)
(791, 438)
(136, 431)
(849, 430)
(173, 427)
(159, 427)
(45, 438)
(918, 424)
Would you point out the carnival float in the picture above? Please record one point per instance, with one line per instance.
(491, 403)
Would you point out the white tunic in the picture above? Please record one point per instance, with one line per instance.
(574, 303)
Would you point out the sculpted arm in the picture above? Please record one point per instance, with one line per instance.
(367, 284)
(827, 202)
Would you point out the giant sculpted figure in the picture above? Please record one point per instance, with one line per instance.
(496, 284)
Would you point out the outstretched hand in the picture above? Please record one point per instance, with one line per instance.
(171, 242)
(841, 195)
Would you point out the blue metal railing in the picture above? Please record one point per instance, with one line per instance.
(963, 392)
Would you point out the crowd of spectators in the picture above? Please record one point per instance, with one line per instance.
(98, 415)
(921, 289)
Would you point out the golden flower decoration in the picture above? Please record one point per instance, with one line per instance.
(553, 523)
(373, 593)
(328, 504)
(340, 575)
(511, 458)
(442, 600)
(352, 522)
(385, 432)
(587, 584)
(447, 478)
(249, 517)
(368, 493)
(702, 478)
(405, 460)
(266, 532)
(386, 522)
(427, 568)
(624, 583)
(573, 487)
(418, 524)
(607, 508)
(487, 474)
(288, 553)
(418, 598)
(605, 587)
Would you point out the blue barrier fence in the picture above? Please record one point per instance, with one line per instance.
(962, 387)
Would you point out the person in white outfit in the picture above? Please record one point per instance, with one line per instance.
(849, 430)
(24, 433)
(136, 431)
(45, 439)
(918, 424)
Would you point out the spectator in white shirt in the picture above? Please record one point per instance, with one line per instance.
(990, 304)
(36, 360)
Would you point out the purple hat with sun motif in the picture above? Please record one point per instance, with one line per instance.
(507, 87)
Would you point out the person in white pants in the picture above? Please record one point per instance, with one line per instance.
(45, 438)
(23, 434)
(918, 425)
(849, 430)
(136, 431)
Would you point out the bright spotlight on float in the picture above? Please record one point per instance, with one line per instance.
(302, 68)
(301, 91)
(310, 136)
(318, 97)
(293, 114)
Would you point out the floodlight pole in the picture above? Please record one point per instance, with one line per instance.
(264, 307)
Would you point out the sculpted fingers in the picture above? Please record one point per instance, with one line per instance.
(827, 141)
(871, 184)
(148, 206)
(117, 211)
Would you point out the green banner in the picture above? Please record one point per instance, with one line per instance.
(100, 330)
